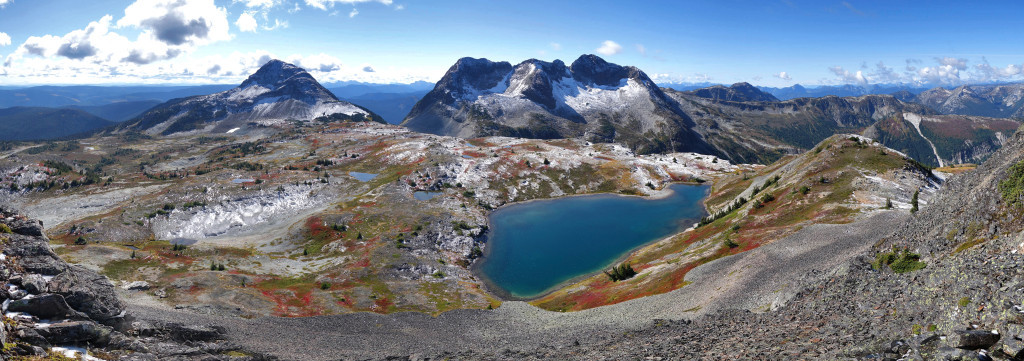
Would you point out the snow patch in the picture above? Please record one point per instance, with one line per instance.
(916, 121)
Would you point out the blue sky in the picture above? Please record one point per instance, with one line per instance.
(775, 43)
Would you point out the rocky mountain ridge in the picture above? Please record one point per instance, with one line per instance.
(739, 92)
(278, 92)
(999, 101)
(54, 309)
(590, 98)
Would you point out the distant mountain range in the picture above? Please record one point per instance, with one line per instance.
(278, 92)
(38, 123)
(604, 102)
(1004, 101)
(590, 99)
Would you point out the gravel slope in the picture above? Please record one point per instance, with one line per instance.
(767, 275)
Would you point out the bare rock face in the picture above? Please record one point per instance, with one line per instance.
(88, 292)
(80, 307)
(591, 98)
(45, 306)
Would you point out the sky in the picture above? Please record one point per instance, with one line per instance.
(767, 42)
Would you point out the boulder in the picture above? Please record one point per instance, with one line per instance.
(182, 332)
(28, 227)
(1013, 347)
(34, 284)
(89, 292)
(137, 286)
(35, 255)
(45, 306)
(75, 331)
(974, 339)
(31, 337)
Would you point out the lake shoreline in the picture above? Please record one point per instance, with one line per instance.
(491, 287)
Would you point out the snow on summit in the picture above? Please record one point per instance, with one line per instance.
(275, 93)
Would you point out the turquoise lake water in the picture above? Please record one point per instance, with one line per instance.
(534, 246)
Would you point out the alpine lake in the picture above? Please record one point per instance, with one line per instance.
(536, 246)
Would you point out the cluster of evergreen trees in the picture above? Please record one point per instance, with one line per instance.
(621, 272)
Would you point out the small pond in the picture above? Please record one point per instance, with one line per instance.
(535, 246)
(363, 177)
(425, 195)
(183, 241)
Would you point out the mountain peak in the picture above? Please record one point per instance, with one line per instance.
(275, 93)
(275, 73)
(739, 92)
(590, 68)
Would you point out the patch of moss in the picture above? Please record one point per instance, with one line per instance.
(902, 261)
(1012, 187)
(964, 302)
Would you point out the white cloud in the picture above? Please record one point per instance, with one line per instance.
(556, 46)
(957, 63)
(988, 73)
(947, 71)
(316, 63)
(266, 4)
(353, 13)
(641, 49)
(4, 3)
(246, 22)
(848, 76)
(295, 9)
(278, 24)
(324, 4)
(5, 39)
(178, 22)
(609, 47)
(783, 75)
(399, 7)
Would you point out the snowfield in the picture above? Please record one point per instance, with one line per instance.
(238, 217)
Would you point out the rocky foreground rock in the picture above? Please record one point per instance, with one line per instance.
(52, 308)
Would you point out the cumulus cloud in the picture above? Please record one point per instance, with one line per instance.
(324, 4)
(783, 75)
(95, 40)
(368, 69)
(848, 76)
(246, 22)
(353, 13)
(316, 63)
(957, 63)
(4, 3)
(5, 39)
(945, 71)
(609, 47)
(178, 22)
(988, 73)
